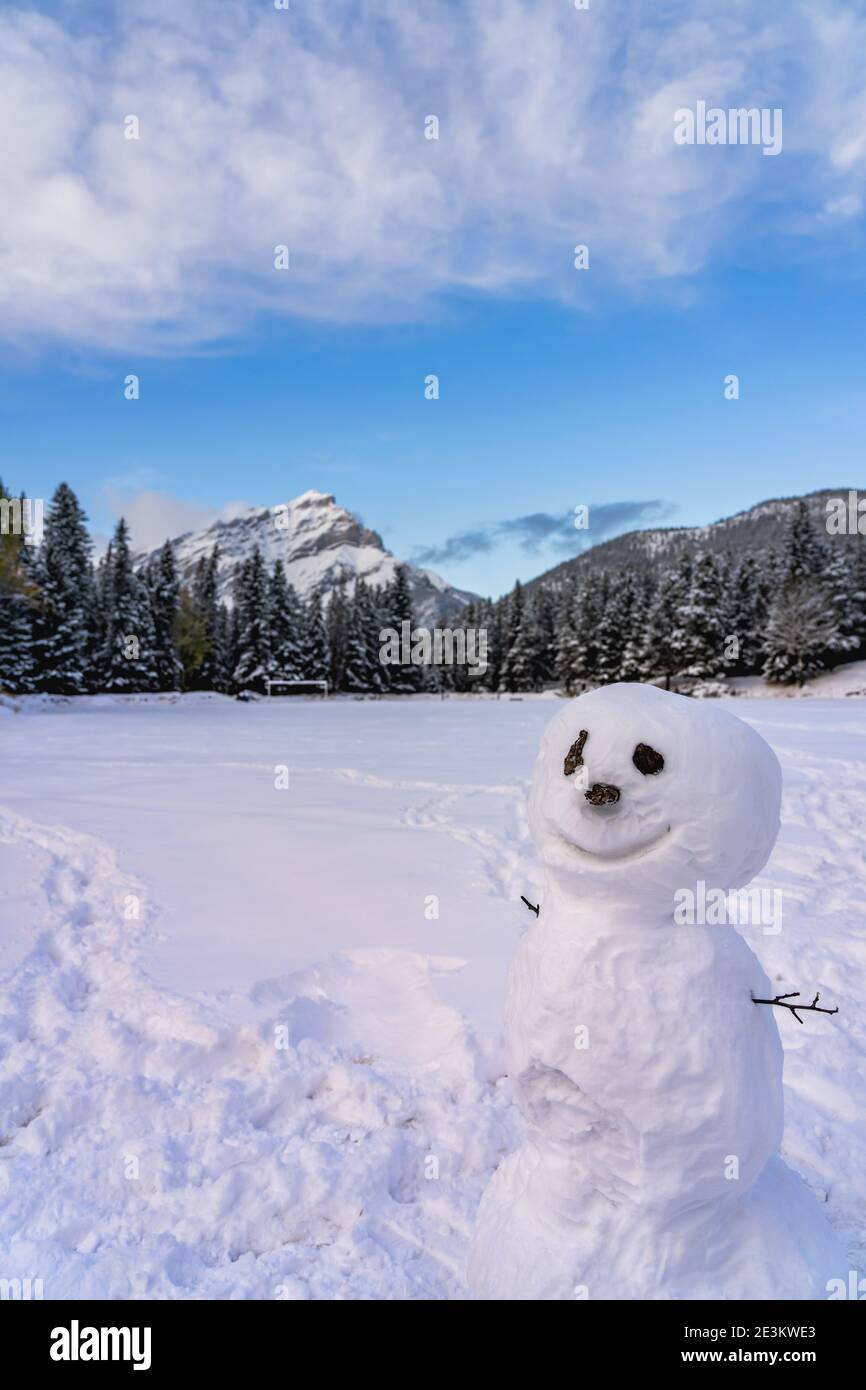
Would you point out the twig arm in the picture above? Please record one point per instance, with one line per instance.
(779, 1001)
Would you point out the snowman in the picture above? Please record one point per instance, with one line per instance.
(649, 1082)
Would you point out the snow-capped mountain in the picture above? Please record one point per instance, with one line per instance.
(321, 544)
(758, 529)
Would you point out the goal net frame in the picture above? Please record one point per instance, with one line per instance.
(271, 685)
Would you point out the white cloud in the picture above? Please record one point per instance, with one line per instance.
(154, 517)
(305, 127)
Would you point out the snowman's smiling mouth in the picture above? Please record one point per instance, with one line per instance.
(625, 855)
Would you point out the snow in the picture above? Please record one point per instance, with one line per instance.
(349, 1162)
(844, 680)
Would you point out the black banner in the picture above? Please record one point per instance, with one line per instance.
(231, 1338)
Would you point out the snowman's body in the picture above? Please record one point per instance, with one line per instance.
(649, 1083)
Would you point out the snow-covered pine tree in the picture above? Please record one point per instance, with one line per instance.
(315, 655)
(285, 621)
(253, 638)
(512, 614)
(437, 676)
(802, 627)
(744, 619)
(164, 587)
(491, 619)
(701, 618)
(191, 636)
(458, 677)
(485, 622)
(810, 622)
(357, 676)
(847, 605)
(368, 603)
(804, 552)
(17, 664)
(615, 628)
(858, 596)
(229, 628)
(634, 628)
(592, 597)
(128, 659)
(521, 662)
(665, 649)
(544, 606)
(214, 672)
(101, 605)
(64, 611)
(221, 660)
(566, 636)
(409, 679)
(512, 618)
(337, 624)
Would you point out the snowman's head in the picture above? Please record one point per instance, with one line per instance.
(637, 793)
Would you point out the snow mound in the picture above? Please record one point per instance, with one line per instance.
(333, 1146)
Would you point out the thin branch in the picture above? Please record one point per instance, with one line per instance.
(779, 1001)
(531, 906)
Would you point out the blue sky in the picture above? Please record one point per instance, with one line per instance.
(557, 387)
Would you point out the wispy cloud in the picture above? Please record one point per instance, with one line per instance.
(154, 517)
(554, 533)
(305, 127)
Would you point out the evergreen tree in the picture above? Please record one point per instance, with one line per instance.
(214, 673)
(615, 657)
(223, 656)
(458, 677)
(402, 680)
(491, 617)
(191, 638)
(362, 669)
(812, 619)
(64, 623)
(101, 607)
(745, 619)
(544, 614)
(487, 622)
(637, 604)
(801, 629)
(128, 657)
(285, 621)
(337, 624)
(17, 590)
(592, 601)
(847, 605)
(805, 554)
(665, 648)
(253, 637)
(356, 672)
(164, 587)
(566, 636)
(700, 614)
(228, 620)
(368, 603)
(315, 655)
(521, 659)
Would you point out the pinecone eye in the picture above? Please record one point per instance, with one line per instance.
(647, 760)
(574, 756)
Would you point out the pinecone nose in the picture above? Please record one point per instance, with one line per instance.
(602, 794)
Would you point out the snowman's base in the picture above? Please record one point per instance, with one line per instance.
(773, 1242)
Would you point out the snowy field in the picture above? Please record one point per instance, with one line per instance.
(283, 1079)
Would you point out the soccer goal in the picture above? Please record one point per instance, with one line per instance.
(297, 687)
